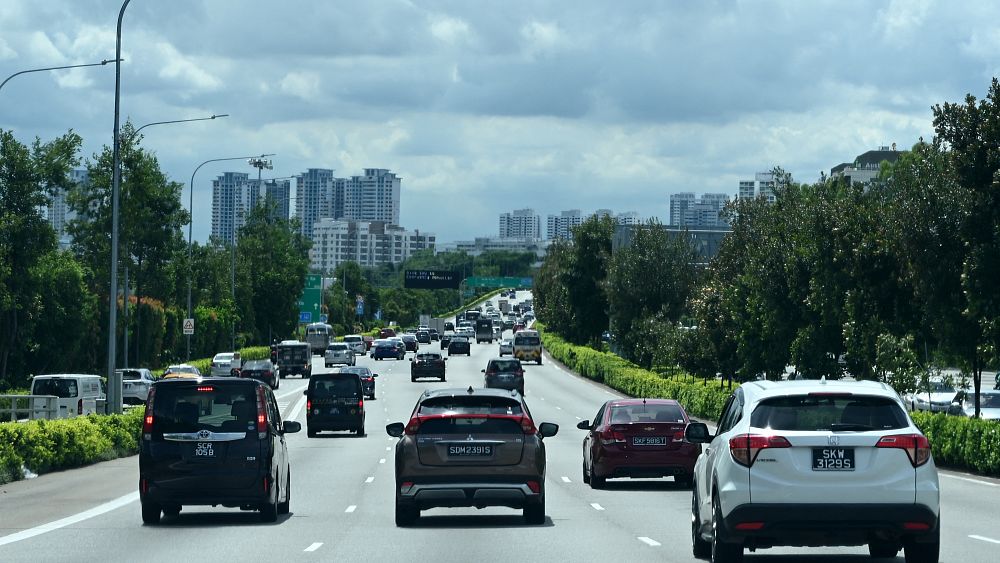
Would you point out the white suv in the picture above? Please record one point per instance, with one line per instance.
(814, 463)
(224, 362)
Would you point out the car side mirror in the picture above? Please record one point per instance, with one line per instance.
(395, 429)
(482, 370)
(548, 429)
(291, 427)
(697, 433)
(583, 425)
(306, 392)
(374, 375)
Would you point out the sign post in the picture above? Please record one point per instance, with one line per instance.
(188, 327)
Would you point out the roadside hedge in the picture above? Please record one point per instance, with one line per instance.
(204, 365)
(958, 442)
(41, 446)
(470, 305)
(700, 399)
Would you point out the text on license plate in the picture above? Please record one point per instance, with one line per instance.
(204, 449)
(833, 459)
(470, 451)
(649, 440)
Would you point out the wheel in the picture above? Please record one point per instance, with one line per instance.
(310, 433)
(699, 547)
(269, 510)
(406, 515)
(925, 551)
(586, 476)
(535, 513)
(595, 481)
(150, 513)
(360, 431)
(172, 510)
(283, 507)
(413, 379)
(722, 552)
(442, 379)
(883, 550)
(683, 481)
(539, 360)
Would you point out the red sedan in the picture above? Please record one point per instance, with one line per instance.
(638, 438)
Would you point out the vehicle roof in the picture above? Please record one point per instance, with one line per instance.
(291, 342)
(352, 336)
(207, 379)
(335, 375)
(630, 402)
(759, 390)
(55, 375)
(475, 392)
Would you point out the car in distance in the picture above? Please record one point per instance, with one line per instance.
(506, 347)
(335, 401)
(939, 396)
(446, 339)
(638, 438)
(386, 333)
(135, 385)
(989, 404)
(213, 441)
(383, 349)
(224, 363)
(181, 371)
(357, 343)
(429, 364)
(339, 353)
(423, 336)
(814, 463)
(261, 370)
(470, 447)
(504, 373)
(435, 335)
(459, 345)
(367, 379)
(294, 357)
(411, 343)
(528, 346)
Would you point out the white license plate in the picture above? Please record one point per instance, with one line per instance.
(649, 440)
(833, 459)
(204, 449)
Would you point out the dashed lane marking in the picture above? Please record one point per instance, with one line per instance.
(382, 460)
(985, 539)
(565, 479)
(388, 448)
(648, 541)
(313, 547)
(596, 506)
(558, 408)
(351, 508)
(370, 479)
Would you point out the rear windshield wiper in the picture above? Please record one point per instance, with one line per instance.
(849, 427)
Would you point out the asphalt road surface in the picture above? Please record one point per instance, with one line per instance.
(342, 500)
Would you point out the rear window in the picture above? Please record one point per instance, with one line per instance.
(219, 408)
(829, 412)
(352, 339)
(62, 388)
(987, 400)
(627, 414)
(131, 374)
(257, 364)
(527, 341)
(358, 370)
(325, 387)
(459, 425)
(337, 347)
(470, 405)
(505, 365)
(428, 357)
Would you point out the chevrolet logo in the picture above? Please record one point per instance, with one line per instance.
(649, 428)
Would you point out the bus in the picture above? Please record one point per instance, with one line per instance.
(318, 337)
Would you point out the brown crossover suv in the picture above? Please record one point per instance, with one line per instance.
(470, 447)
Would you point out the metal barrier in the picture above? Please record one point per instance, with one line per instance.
(18, 407)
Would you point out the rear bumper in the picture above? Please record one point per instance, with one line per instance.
(254, 495)
(416, 373)
(830, 524)
(454, 495)
(334, 422)
(612, 463)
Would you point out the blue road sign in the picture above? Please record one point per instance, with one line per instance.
(323, 318)
(305, 317)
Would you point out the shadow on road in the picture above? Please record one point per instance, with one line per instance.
(476, 521)
(191, 518)
(646, 485)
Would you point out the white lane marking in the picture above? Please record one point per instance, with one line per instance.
(596, 506)
(351, 508)
(578, 418)
(382, 460)
(370, 479)
(542, 398)
(297, 409)
(70, 520)
(649, 541)
(565, 479)
(985, 539)
(313, 547)
(977, 481)
(558, 408)
(388, 448)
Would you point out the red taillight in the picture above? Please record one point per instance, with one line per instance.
(527, 425)
(745, 447)
(361, 403)
(147, 420)
(79, 406)
(205, 389)
(916, 526)
(610, 437)
(535, 486)
(309, 405)
(261, 413)
(412, 426)
(144, 486)
(916, 446)
(750, 526)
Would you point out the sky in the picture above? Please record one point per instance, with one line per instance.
(484, 107)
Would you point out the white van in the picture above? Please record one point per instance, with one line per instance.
(78, 393)
(528, 346)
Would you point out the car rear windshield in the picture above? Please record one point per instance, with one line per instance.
(465, 426)
(829, 412)
(352, 339)
(257, 365)
(505, 365)
(62, 388)
(219, 408)
(627, 414)
(298, 353)
(527, 341)
(358, 370)
(131, 374)
(470, 405)
(325, 387)
(337, 347)
(429, 357)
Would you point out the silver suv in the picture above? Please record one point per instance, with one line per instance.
(814, 463)
(339, 353)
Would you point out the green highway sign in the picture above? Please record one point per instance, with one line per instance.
(312, 298)
(520, 283)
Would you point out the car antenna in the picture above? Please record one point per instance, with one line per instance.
(470, 391)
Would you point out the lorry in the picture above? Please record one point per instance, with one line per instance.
(484, 330)
(293, 357)
(437, 324)
(504, 306)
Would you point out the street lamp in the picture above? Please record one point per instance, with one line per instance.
(190, 228)
(102, 63)
(260, 163)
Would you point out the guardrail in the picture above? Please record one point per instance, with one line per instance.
(16, 407)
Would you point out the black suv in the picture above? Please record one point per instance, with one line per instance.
(470, 447)
(335, 401)
(505, 373)
(428, 364)
(459, 345)
(213, 441)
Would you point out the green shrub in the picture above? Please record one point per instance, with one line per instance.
(963, 443)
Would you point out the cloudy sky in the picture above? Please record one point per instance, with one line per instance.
(487, 106)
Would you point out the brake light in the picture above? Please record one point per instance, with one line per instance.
(745, 447)
(206, 389)
(147, 420)
(412, 426)
(361, 403)
(610, 437)
(922, 526)
(535, 487)
(916, 446)
(79, 406)
(261, 414)
(750, 526)
(309, 406)
(527, 425)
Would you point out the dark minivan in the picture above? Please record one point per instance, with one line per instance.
(335, 401)
(213, 441)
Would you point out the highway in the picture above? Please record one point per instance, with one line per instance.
(342, 500)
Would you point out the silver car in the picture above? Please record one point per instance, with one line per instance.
(135, 385)
(339, 353)
(507, 347)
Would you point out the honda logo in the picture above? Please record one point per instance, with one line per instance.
(833, 440)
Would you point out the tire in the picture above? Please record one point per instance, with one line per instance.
(173, 510)
(360, 432)
(284, 507)
(442, 379)
(883, 550)
(700, 548)
(722, 551)
(539, 360)
(413, 380)
(595, 481)
(926, 551)
(269, 510)
(406, 515)
(150, 513)
(586, 476)
(534, 513)
(310, 433)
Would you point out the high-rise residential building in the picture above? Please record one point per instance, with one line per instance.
(629, 218)
(762, 185)
(314, 197)
(274, 192)
(232, 198)
(369, 243)
(372, 197)
(521, 223)
(58, 211)
(561, 226)
(866, 166)
(688, 210)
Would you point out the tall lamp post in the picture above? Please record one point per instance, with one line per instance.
(190, 229)
(260, 164)
(102, 63)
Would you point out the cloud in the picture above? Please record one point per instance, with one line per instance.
(5, 51)
(449, 30)
(303, 85)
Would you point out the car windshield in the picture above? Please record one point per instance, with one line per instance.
(939, 387)
(325, 387)
(986, 400)
(60, 387)
(219, 408)
(627, 414)
(505, 365)
(183, 369)
(829, 412)
(470, 405)
(131, 374)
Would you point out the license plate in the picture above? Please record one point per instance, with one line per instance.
(204, 449)
(649, 440)
(833, 459)
(334, 410)
(470, 451)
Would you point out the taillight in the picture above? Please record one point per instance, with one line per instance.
(609, 437)
(205, 389)
(412, 426)
(147, 420)
(535, 486)
(79, 406)
(309, 406)
(527, 425)
(745, 447)
(261, 414)
(916, 446)
(361, 403)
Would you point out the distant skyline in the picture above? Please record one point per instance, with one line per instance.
(486, 107)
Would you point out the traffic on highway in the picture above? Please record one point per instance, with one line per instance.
(457, 466)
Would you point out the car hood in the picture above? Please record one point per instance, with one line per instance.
(936, 397)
